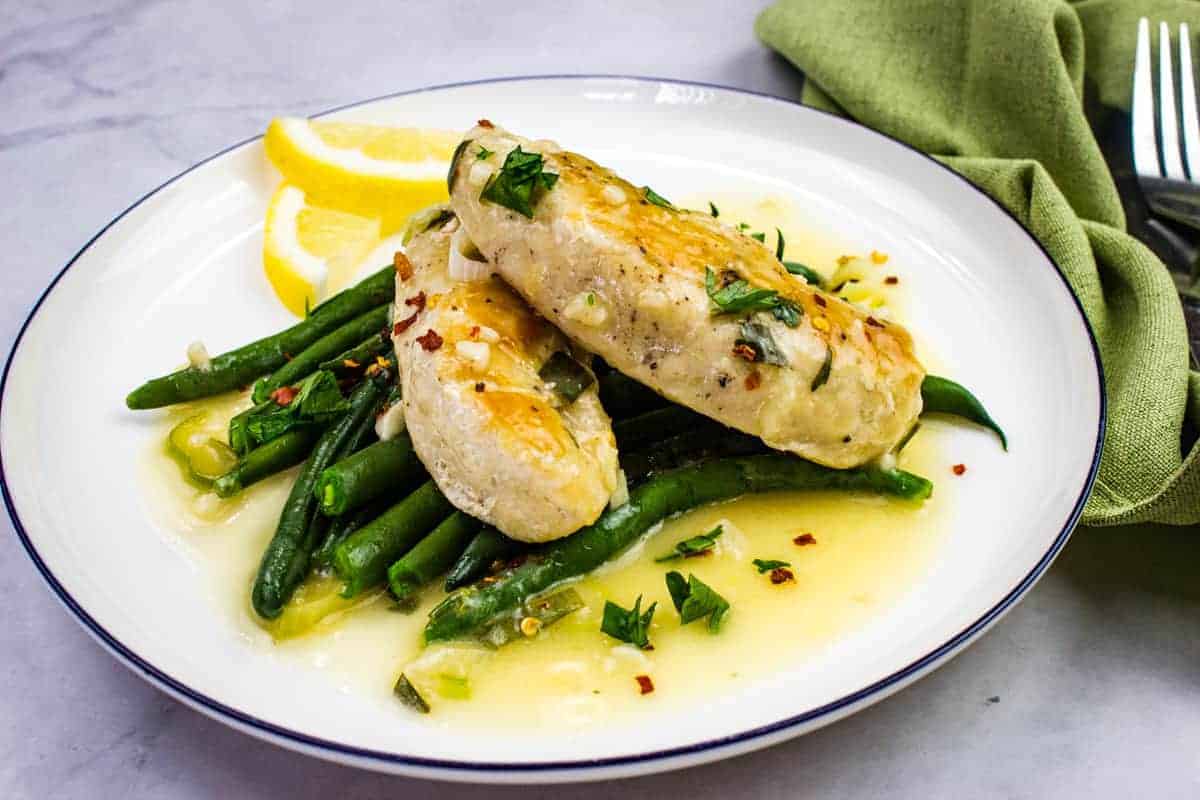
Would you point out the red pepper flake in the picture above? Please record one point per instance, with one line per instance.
(474, 334)
(819, 300)
(874, 322)
(417, 301)
(959, 469)
(804, 539)
(645, 685)
(743, 350)
(753, 381)
(402, 265)
(781, 575)
(479, 387)
(891, 280)
(430, 340)
(284, 395)
(485, 123)
(403, 325)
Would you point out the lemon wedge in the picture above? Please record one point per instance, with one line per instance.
(311, 251)
(369, 170)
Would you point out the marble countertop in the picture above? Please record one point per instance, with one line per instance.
(1088, 689)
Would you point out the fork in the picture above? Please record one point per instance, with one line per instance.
(1168, 170)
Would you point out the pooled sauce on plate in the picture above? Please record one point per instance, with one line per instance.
(851, 557)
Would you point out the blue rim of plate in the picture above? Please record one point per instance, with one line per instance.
(241, 719)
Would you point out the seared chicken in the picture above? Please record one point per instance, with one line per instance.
(637, 281)
(501, 444)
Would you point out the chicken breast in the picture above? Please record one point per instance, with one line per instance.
(498, 440)
(637, 281)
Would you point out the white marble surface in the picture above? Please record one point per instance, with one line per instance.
(1088, 689)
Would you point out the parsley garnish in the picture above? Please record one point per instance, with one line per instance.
(809, 274)
(743, 227)
(739, 295)
(483, 153)
(318, 400)
(513, 186)
(695, 600)
(693, 546)
(631, 625)
(762, 237)
(712, 207)
(758, 337)
(764, 565)
(656, 198)
(823, 373)
(409, 695)
(779, 244)
(566, 377)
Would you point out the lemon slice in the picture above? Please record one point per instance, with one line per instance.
(370, 170)
(309, 251)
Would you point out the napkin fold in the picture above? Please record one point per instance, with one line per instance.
(997, 90)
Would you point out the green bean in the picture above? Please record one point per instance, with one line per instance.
(622, 396)
(239, 367)
(944, 396)
(285, 562)
(307, 360)
(341, 527)
(653, 426)
(369, 473)
(363, 558)
(468, 609)
(687, 448)
(432, 556)
(488, 547)
(361, 354)
(276, 455)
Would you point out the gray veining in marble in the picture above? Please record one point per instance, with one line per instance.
(1088, 689)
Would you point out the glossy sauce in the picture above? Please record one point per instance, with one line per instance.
(868, 552)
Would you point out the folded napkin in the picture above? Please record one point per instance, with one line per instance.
(995, 89)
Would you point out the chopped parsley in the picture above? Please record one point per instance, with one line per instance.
(566, 377)
(693, 546)
(823, 373)
(628, 625)
(656, 198)
(515, 184)
(483, 153)
(764, 565)
(409, 695)
(762, 237)
(758, 338)
(743, 227)
(317, 401)
(739, 295)
(695, 600)
(779, 244)
(806, 272)
(712, 208)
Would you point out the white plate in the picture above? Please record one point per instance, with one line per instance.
(183, 263)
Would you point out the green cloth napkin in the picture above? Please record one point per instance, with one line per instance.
(995, 89)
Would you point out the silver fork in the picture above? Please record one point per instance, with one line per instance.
(1168, 171)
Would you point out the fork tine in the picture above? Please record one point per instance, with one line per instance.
(1167, 120)
(1145, 152)
(1187, 91)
